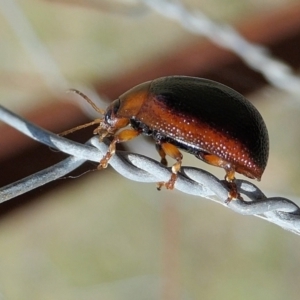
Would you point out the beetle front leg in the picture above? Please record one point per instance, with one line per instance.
(123, 136)
(173, 152)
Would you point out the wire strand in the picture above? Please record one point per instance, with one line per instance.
(278, 210)
(256, 56)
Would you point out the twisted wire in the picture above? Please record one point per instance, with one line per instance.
(256, 56)
(280, 211)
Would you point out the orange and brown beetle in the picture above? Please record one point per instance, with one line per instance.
(202, 117)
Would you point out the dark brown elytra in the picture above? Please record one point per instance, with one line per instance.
(202, 117)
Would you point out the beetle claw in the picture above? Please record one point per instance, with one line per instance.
(104, 161)
(169, 184)
(160, 185)
(102, 165)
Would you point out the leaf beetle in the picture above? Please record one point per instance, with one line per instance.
(202, 117)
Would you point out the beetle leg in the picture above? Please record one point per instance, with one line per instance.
(162, 154)
(173, 152)
(233, 193)
(122, 136)
(229, 177)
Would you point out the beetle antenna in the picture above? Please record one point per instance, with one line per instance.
(96, 121)
(85, 97)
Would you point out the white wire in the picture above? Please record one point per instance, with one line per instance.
(280, 211)
(34, 47)
(38, 52)
(278, 73)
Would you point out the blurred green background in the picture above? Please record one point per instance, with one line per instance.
(105, 237)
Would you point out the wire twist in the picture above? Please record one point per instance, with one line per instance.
(280, 211)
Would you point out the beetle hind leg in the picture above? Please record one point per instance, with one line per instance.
(233, 193)
(229, 177)
(172, 151)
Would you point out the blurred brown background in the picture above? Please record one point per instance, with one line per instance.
(99, 235)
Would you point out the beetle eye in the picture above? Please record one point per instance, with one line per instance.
(112, 111)
(115, 106)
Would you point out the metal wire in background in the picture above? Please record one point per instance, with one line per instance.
(39, 54)
(197, 182)
(256, 56)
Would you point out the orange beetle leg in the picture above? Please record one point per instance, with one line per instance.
(233, 193)
(214, 160)
(172, 151)
(162, 154)
(123, 136)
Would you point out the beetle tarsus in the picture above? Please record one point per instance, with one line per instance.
(170, 184)
(233, 193)
(160, 185)
(104, 161)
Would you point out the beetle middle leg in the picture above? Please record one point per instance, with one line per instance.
(123, 136)
(164, 149)
(162, 154)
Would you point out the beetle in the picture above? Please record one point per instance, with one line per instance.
(205, 118)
